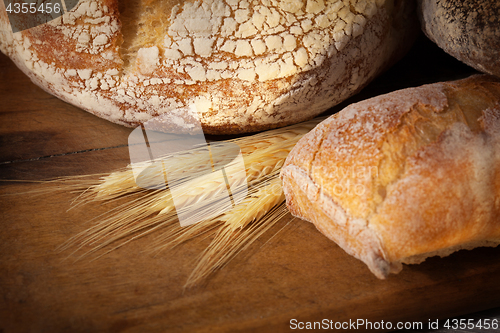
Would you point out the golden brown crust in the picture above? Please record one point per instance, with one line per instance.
(236, 66)
(405, 175)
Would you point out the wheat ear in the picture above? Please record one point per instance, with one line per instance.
(146, 211)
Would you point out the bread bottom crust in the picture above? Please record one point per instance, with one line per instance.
(353, 235)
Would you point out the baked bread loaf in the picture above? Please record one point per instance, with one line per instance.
(404, 176)
(466, 29)
(234, 65)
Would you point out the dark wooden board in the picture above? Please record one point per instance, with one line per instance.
(297, 274)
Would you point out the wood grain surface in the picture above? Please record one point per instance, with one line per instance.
(299, 274)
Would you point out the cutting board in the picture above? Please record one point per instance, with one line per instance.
(297, 275)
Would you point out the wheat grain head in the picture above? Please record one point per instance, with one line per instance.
(146, 211)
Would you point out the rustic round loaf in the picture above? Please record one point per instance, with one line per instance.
(234, 65)
(466, 29)
(403, 176)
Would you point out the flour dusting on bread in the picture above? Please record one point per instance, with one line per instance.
(260, 64)
(434, 184)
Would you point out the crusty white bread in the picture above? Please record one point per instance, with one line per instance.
(237, 65)
(469, 30)
(404, 176)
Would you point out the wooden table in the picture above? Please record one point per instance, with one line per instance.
(299, 274)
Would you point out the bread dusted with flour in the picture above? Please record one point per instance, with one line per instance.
(236, 65)
(404, 176)
(469, 30)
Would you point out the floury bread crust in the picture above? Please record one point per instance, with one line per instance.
(469, 30)
(236, 65)
(404, 176)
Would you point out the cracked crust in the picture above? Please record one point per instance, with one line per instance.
(237, 65)
(404, 176)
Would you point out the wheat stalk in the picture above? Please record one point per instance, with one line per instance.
(146, 211)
